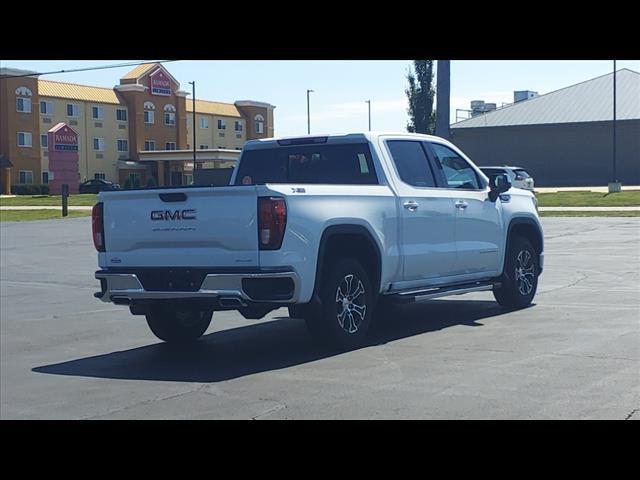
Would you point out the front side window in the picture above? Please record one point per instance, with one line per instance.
(97, 113)
(23, 105)
(343, 164)
(73, 110)
(412, 163)
(457, 171)
(24, 139)
(25, 176)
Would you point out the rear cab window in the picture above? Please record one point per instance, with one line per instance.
(332, 164)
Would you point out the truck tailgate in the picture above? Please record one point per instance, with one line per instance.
(181, 227)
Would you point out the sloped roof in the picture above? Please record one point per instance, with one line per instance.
(588, 101)
(73, 91)
(139, 71)
(214, 108)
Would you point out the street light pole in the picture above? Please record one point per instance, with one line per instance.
(308, 114)
(193, 99)
(369, 103)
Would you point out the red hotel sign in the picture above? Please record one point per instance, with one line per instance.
(65, 139)
(160, 83)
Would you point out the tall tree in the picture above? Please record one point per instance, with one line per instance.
(420, 94)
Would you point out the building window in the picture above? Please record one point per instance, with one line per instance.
(24, 139)
(97, 113)
(99, 176)
(23, 105)
(222, 125)
(121, 115)
(238, 126)
(149, 116)
(149, 145)
(46, 108)
(45, 177)
(25, 176)
(44, 141)
(204, 122)
(73, 110)
(169, 118)
(122, 145)
(98, 144)
(259, 119)
(170, 146)
(204, 147)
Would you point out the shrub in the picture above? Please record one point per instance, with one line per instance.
(30, 189)
(136, 182)
(127, 184)
(151, 182)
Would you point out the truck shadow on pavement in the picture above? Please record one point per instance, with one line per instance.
(266, 346)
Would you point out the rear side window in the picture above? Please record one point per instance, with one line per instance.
(412, 163)
(342, 164)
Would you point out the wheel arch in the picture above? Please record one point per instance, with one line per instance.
(527, 228)
(341, 239)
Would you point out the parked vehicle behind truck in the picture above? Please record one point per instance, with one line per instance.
(329, 226)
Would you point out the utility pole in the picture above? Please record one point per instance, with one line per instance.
(443, 94)
(308, 114)
(614, 185)
(369, 102)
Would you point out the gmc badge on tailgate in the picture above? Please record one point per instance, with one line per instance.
(173, 215)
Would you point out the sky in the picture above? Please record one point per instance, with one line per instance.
(340, 88)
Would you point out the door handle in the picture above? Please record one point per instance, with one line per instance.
(411, 205)
(461, 205)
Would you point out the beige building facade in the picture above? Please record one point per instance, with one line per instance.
(139, 130)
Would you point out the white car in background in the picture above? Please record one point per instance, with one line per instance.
(518, 176)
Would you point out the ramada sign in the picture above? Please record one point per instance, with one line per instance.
(160, 83)
(65, 139)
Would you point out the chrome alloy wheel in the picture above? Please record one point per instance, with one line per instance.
(525, 271)
(351, 305)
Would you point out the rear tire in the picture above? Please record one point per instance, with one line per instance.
(178, 326)
(520, 278)
(347, 298)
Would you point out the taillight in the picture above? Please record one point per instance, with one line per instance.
(97, 225)
(272, 219)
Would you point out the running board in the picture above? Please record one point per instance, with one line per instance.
(415, 296)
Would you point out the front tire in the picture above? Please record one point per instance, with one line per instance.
(520, 278)
(178, 326)
(347, 300)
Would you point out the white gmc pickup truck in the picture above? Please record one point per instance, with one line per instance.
(330, 226)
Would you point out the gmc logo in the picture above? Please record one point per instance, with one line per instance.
(173, 215)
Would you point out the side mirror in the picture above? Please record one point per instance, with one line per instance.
(499, 184)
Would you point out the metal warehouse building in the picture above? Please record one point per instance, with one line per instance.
(565, 137)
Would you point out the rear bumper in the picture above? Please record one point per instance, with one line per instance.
(244, 287)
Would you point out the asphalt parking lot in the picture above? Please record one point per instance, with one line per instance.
(575, 354)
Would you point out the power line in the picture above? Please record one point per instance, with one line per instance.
(103, 67)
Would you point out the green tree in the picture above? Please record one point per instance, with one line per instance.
(420, 94)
